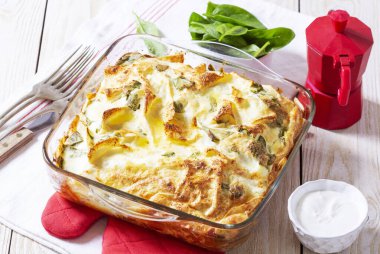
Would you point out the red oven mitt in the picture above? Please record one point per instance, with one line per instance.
(65, 219)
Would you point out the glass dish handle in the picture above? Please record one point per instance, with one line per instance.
(125, 210)
(226, 52)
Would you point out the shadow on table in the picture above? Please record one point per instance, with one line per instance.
(368, 125)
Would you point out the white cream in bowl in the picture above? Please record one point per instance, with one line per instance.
(327, 215)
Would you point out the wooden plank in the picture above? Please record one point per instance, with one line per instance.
(5, 239)
(62, 20)
(352, 154)
(23, 245)
(20, 30)
(289, 4)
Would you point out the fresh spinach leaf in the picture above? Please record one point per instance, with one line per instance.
(207, 37)
(237, 27)
(145, 27)
(232, 14)
(230, 30)
(211, 7)
(277, 37)
(250, 49)
(256, 51)
(263, 50)
(208, 28)
(236, 41)
(196, 31)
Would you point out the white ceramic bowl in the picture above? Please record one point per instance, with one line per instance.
(326, 244)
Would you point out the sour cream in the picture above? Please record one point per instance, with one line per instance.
(327, 216)
(328, 213)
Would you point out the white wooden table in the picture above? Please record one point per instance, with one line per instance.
(32, 30)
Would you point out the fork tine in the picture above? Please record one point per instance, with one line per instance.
(57, 79)
(74, 81)
(64, 62)
(77, 70)
(74, 73)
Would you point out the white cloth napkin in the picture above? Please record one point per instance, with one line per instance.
(24, 183)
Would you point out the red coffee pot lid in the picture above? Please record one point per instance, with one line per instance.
(338, 33)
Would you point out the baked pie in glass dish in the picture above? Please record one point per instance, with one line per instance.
(188, 145)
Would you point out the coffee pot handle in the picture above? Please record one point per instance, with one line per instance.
(345, 81)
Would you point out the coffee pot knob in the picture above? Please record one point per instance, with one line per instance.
(339, 19)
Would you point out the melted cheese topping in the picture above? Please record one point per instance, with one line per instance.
(204, 142)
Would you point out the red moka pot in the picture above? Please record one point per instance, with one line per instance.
(338, 50)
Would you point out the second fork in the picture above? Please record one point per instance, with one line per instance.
(56, 86)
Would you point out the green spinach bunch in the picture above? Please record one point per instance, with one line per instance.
(232, 25)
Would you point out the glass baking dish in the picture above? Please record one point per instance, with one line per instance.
(195, 230)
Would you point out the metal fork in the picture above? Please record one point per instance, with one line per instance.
(73, 81)
(56, 86)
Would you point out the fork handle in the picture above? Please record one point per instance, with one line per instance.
(19, 105)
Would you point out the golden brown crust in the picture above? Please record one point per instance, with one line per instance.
(174, 131)
(200, 69)
(177, 58)
(101, 148)
(226, 114)
(209, 78)
(115, 117)
(112, 70)
(219, 170)
(149, 97)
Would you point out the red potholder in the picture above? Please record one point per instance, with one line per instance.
(66, 219)
(124, 237)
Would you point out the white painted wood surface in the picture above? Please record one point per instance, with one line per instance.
(20, 33)
(350, 155)
(5, 239)
(23, 245)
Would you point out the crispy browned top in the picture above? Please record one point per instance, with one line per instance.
(208, 143)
